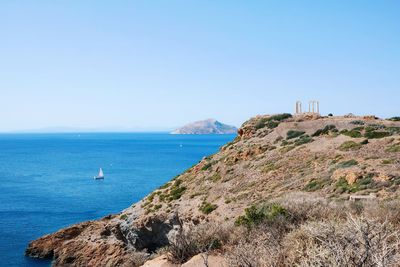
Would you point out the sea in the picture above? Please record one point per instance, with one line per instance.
(46, 180)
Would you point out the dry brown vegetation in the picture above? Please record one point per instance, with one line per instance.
(310, 232)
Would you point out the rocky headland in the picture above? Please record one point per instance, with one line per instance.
(210, 126)
(272, 197)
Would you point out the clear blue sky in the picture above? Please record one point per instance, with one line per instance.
(159, 64)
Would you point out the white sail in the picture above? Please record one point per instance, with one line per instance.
(101, 174)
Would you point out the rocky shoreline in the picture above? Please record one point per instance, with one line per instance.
(329, 157)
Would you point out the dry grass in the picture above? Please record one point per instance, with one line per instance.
(195, 240)
(317, 232)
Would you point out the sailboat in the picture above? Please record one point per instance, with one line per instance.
(100, 175)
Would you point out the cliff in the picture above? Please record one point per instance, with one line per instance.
(327, 158)
(210, 126)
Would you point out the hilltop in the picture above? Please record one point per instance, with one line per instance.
(209, 126)
(285, 181)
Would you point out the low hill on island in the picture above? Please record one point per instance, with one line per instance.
(210, 126)
(280, 194)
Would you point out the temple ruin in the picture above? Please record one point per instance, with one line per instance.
(313, 107)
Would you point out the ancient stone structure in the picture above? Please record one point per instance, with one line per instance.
(313, 107)
(298, 107)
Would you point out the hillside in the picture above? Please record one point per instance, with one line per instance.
(283, 173)
(210, 126)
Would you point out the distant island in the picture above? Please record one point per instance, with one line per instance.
(210, 126)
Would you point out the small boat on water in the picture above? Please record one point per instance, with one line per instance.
(100, 175)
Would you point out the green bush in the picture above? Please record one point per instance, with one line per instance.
(348, 163)
(387, 161)
(352, 133)
(349, 145)
(325, 131)
(206, 166)
(374, 127)
(375, 135)
(255, 215)
(271, 122)
(313, 185)
(176, 190)
(293, 134)
(123, 217)
(280, 117)
(364, 142)
(207, 208)
(394, 119)
(361, 184)
(304, 139)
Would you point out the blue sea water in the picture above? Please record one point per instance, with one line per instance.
(46, 180)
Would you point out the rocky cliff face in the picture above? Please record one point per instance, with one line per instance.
(332, 157)
(210, 126)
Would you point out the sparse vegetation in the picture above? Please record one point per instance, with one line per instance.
(207, 208)
(304, 139)
(352, 133)
(374, 134)
(357, 122)
(293, 134)
(325, 131)
(272, 121)
(393, 148)
(316, 184)
(349, 145)
(394, 119)
(348, 163)
(254, 215)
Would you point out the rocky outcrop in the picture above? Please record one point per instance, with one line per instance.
(107, 242)
(210, 126)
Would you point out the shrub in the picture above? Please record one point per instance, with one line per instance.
(215, 177)
(206, 166)
(352, 133)
(193, 241)
(272, 121)
(348, 163)
(393, 148)
(312, 186)
(123, 217)
(357, 122)
(374, 135)
(393, 130)
(207, 208)
(364, 142)
(330, 115)
(394, 119)
(349, 145)
(281, 117)
(293, 134)
(325, 131)
(304, 139)
(374, 127)
(176, 190)
(254, 215)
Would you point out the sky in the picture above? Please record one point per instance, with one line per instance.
(155, 65)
